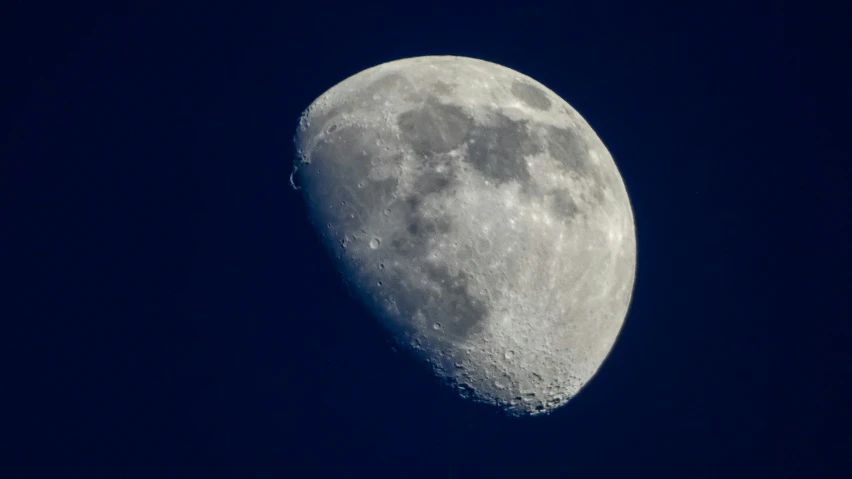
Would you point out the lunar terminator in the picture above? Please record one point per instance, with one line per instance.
(479, 217)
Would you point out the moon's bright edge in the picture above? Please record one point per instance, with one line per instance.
(479, 217)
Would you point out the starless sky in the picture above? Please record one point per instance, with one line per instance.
(173, 315)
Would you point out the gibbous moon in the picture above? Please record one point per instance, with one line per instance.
(479, 217)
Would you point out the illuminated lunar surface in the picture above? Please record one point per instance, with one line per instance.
(479, 217)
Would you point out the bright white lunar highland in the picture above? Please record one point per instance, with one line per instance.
(479, 217)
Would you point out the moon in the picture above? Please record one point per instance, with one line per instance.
(479, 218)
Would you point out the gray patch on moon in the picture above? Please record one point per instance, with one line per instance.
(562, 205)
(497, 151)
(571, 150)
(434, 127)
(443, 88)
(435, 180)
(460, 311)
(450, 297)
(419, 228)
(389, 82)
(531, 95)
(568, 147)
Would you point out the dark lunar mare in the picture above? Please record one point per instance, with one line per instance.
(568, 147)
(453, 309)
(435, 127)
(498, 151)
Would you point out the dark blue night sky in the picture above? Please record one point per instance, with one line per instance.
(173, 315)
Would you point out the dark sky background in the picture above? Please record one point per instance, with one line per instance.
(172, 315)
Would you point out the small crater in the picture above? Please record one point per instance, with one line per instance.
(509, 354)
(375, 243)
(437, 326)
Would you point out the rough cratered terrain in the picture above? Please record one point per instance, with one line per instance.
(479, 217)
